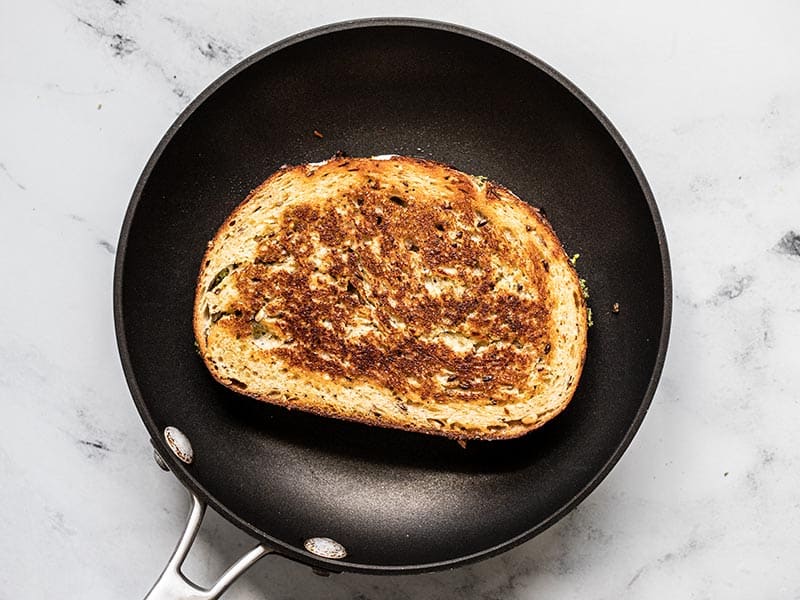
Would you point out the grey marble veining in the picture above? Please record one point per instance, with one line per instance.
(706, 501)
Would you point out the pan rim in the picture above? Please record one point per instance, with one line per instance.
(180, 470)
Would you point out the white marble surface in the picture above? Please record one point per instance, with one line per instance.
(705, 503)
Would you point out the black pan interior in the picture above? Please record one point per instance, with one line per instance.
(395, 500)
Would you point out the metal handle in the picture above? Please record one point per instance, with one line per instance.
(173, 584)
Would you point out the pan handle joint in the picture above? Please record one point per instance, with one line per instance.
(174, 585)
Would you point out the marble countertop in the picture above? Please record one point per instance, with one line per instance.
(706, 501)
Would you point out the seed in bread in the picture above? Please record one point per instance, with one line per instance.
(397, 292)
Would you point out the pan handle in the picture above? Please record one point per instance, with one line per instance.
(173, 584)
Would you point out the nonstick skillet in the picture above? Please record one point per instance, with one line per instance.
(341, 496)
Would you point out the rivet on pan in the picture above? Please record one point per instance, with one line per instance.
(179, 444)
(159, 461)
(325, 547)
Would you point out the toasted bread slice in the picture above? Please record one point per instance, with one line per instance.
(397, 292)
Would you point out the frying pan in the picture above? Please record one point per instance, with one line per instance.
(343, 496)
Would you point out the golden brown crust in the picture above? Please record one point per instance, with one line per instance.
(425, 290)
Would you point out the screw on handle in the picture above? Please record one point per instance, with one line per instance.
(173, 584)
